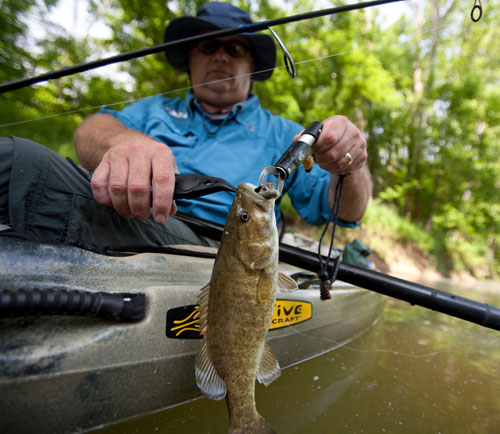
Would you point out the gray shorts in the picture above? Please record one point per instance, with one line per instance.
(45, 198)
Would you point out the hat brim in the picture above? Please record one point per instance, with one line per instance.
(262, 46)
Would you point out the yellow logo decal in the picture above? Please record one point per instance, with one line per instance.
(290, 312)
(190, 323)
(182, 322)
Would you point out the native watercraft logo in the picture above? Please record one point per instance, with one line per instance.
(290, 312)
(182, 322)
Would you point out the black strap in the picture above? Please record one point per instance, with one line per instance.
(328, 277)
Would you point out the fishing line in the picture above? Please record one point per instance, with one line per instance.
(181, 89)
(342, 344)
(87, 109)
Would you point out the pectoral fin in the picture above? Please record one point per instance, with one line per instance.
(265, 289)
(269, 368)
(207, 378)
(286, 283)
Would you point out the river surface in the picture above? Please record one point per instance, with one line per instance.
(415, 371)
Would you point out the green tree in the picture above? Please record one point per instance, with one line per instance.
(443, 169)
(47, 113)
(424, 91)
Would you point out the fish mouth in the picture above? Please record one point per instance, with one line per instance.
(267, 191)
(263, 192)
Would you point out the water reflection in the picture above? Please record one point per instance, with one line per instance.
(416, 371)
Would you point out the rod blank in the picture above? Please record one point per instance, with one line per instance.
(193, 40)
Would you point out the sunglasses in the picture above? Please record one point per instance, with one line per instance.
(232, 48)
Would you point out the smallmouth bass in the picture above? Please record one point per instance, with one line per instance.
(236, 309)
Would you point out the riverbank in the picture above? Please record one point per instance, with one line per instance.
(406, 250)
(404, 260)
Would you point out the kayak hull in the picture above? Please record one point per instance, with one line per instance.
(72, 373)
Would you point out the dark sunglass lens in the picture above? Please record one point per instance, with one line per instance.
(208, 47)
(235, 48)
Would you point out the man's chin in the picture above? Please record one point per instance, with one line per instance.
(209, 96)
(222, 86)
(217, 89)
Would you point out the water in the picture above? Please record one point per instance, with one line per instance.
(415, 371)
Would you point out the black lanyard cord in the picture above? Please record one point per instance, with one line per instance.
(326, 278)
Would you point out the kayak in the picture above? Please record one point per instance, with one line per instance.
(71, 368)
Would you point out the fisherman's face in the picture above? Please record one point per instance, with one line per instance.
(225, 68)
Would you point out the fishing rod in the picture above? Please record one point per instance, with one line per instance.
(483, 314)
(185, 42)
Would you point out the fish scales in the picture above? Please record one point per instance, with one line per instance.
(236, 316)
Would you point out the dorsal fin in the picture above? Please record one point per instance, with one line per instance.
(286, 283)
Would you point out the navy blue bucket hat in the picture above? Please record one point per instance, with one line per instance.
(217, 16)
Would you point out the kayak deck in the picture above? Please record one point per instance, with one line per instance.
(71, 373)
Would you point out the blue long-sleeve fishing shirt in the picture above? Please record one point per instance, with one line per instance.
(235, 147)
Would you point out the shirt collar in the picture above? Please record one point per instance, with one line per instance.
(240, 111)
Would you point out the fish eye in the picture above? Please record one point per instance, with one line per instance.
(244, 216)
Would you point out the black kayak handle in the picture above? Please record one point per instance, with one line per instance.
(48, 301)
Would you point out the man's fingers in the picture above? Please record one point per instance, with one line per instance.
(99, 185)
(333, 133)
(173, 210)
(341, 147)
(139, 185)
(130, 172)
(345, 165)
(118, 187)
(163, 187)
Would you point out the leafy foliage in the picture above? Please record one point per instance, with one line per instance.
(424, 90)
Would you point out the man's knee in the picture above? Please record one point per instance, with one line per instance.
(6, 151)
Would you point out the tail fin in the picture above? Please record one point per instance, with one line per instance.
(264, 427)
(261, 426)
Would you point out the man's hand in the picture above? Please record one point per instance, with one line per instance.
(341, 148)
(128, 170)
(126, 165)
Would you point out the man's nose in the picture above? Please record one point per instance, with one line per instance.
(221, 54)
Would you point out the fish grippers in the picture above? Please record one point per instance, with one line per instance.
(187, 186)
(299, 152)
(191, 185)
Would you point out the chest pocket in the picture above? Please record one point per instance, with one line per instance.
(171, 130)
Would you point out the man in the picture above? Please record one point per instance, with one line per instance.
(219, 129)
(124, 160)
